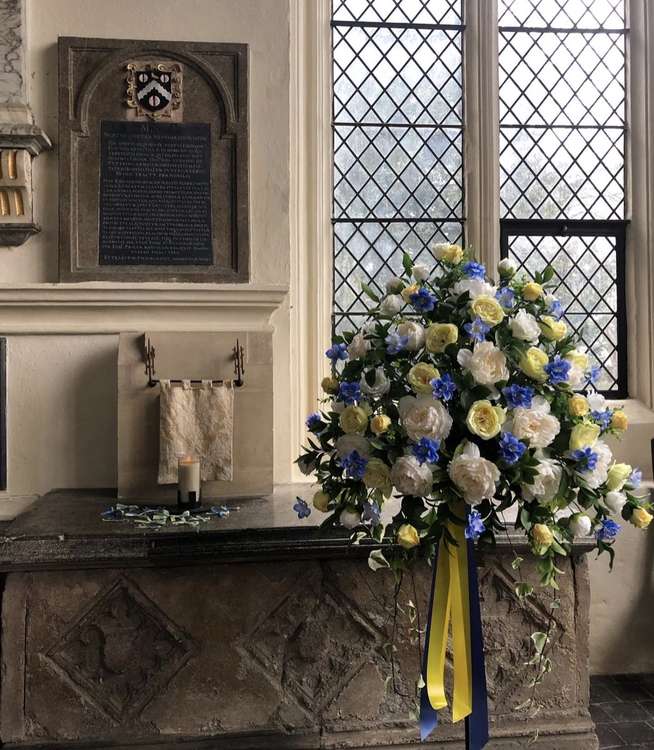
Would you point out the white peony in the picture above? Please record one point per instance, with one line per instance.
(424, 416)
(598, 475)
(420, 271)
(615, 501)
(474, 287)
(414, 332)
(486, 363)
(535, 424)
(546, 482)
(596, 401)
(580, 524)
(391, 305)
(358, 347)
(474, 476)
(380, 387)
(348, 443)
(524, 326)
(349, 519)
(410, 477)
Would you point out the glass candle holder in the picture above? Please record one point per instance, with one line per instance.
(188, 479)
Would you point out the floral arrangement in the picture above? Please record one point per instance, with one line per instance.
(460, 393)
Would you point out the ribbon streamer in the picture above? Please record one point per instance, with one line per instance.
(455, 602)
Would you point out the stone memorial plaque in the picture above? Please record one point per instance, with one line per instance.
(155, 193)
(153, 161)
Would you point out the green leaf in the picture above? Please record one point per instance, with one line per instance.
(548, 274)
(407, 262)
(540, 641)
(376, 560)
(367, 290)
(523, 590)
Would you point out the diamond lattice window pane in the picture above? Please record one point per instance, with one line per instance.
(398, 11)
(607, 14)
(585, 271)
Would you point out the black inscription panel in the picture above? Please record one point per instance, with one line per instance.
(155, 194)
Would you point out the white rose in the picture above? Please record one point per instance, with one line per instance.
(424, 417)
(349, 519)
(536, 424)
(410, 477)
(474, 476)
(615, 501)
(475, 287)
(525, 327)
(580, 524)
(576, 377)
(596, 401)
(506, 267)
(348, 443)
(379, 388)
(394, 285)
(358, 347)
(420, 271)
(414, 332)
(598, 475)
(486, 363)
(391, 305)
(546, 482)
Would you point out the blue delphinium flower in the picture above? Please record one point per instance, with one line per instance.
(586, 458)
(556, 309)
(477, 330)
(423, 300)
(593, 374)
(518, 396)
(314, 421)
(336, 352)
(635, 478)
(301, 508)
(354, 465)
(608, 530)
(511, 449)
(506, 297)
(371, 513)
(603, 418)
(443, 387)
(475, 526)
(395, 343)
(349, 392)
(474, 270)
(426, 450)
(558, 370)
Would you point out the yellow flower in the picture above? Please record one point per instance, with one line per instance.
(407, 536)
(488, 309)
(321, 501)
(552, 329)
(584, 435)
(408, 291)
(640, 518)
(531, 291)
(580, 359)
(329, 385)
(484, 419)
(617, 476)
(440, 335)
(380, 424)
(449, 253)
(353, 419)
(619, 420)
(420, 377)
(378, 476)
(533, 362)
(578, 405)
(542, 535)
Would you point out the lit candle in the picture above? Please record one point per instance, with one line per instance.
(188, 478)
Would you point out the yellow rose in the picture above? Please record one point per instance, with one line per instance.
(353, 419)
(449, 253)
(584, 435)
(440, 335)
(408, 291)
(580, 359)
(542, 535)
(533, 362)
(619, 420)
(378, 476)
(578, 406)
(380, 424)
(329, 385)
(640, 518)
(488, 309)
(407, 536)
(321, 501)
(484, 419)
(552, 329)
(420, 377)
(531, 291)
(617, 476)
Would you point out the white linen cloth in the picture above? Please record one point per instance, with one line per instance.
(196, 421)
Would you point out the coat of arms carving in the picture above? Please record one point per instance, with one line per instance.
(154, 90)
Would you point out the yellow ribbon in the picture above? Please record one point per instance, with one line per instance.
(451, 602)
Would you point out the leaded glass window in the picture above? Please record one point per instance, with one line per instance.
(562, 75)
(397, 137)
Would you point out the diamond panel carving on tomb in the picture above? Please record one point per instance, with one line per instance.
(122, 651)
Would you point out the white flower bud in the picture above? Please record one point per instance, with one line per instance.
(580, 524)
(420, 272)
(507, 268)
(349, 519)
(394, 285)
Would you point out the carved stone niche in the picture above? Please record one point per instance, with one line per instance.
(153, 161)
